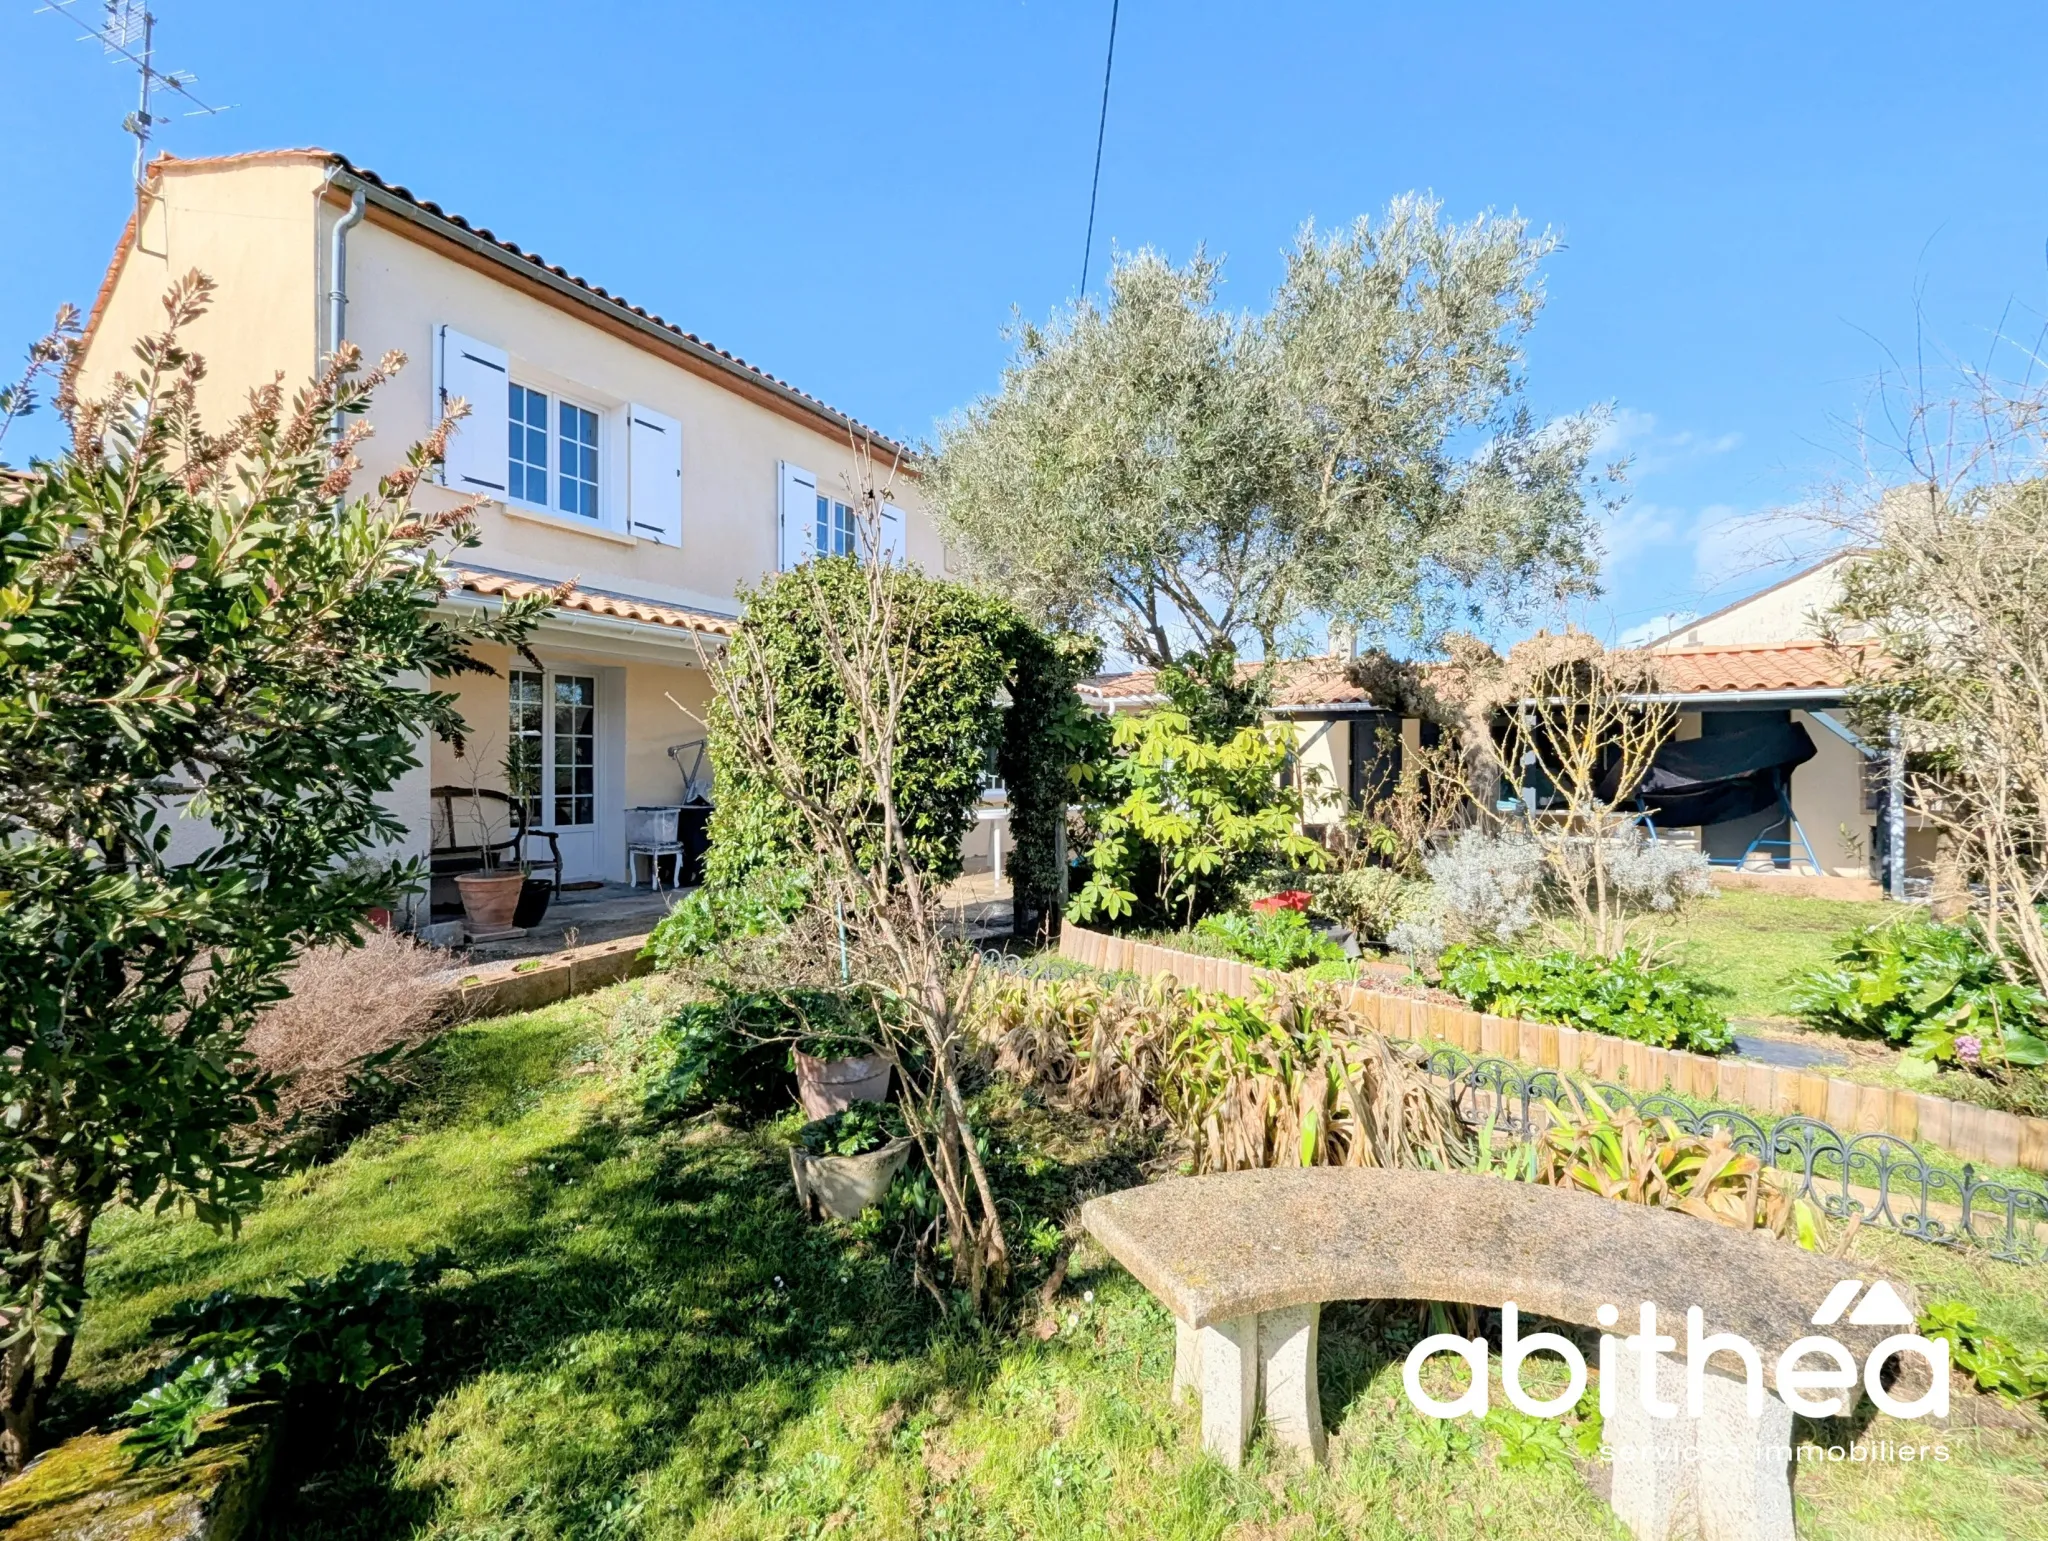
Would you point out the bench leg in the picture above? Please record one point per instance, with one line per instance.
(1745, 1479)
(1187, 1362)
(1287, 1373)
(1722, 1476)
(1230, 1383)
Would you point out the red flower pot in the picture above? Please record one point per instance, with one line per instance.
(1288, 899)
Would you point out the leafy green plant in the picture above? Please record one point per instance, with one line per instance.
(1528, 1443)
(1936, 988)
(854, 1131)
(1996, 1363)
(197, 631)
(1623, 996)
(1282, 939)
(346, 1330)
(761, 903)
(719, 1052)
(1185, 818)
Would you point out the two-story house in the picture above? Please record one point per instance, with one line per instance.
(611, 447)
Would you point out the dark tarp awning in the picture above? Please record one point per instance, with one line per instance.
(1728, 776)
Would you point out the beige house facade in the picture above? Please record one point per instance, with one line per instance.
(608, 448)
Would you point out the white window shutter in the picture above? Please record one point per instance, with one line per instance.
(479, 374)
(798, 540)
(654, 447)
(895, 535)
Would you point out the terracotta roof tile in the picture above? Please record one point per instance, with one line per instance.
(1297, 682)
(1744, 666)
(592, 602)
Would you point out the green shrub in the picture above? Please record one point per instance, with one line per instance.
(1179, 821)
(855, 1131)
(1282, 939)
(735, 1049)
(346, 1331)
(760, 903)
(1623, 996)
(1370, 900)
(1937, 988)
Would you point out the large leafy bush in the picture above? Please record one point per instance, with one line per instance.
(1936, 988)
(992, 693)
(1181, 820)
(203, 626)
(1624, 996)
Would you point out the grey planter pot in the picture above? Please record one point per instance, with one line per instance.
(843, 1186)
(826, 1087)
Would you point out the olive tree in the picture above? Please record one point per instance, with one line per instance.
(204, 625)
(1184, 480)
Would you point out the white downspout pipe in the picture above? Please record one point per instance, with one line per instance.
(337, 269)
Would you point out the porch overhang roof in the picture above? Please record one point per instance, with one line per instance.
(594, 609)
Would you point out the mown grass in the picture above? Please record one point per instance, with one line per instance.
(1751, 946)
(646, 1340)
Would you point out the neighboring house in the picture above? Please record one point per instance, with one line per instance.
(612, 448)
(1757, 663)
(1763, 660)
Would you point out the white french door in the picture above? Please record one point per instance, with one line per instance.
(552, 763)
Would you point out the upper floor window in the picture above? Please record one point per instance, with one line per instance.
(526, 474)
(835, 528)
(579, 461)
(575, 444)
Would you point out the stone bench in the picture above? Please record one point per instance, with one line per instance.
(1245, 1260)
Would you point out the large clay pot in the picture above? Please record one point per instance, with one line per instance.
(489, 900)
(843, 1186)
(828, 1086)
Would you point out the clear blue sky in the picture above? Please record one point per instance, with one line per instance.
(1754, 197)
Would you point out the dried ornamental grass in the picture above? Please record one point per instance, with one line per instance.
(348, 1003)
(1291, 1078)
(1624, 1155)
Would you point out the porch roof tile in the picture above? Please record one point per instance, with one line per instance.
(595, 602)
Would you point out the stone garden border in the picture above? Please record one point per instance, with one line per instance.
(1961, 1128)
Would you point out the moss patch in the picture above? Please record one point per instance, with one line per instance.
(91, 1487)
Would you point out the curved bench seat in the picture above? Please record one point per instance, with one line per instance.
(1244, 1261)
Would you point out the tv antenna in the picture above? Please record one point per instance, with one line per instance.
(127, 30)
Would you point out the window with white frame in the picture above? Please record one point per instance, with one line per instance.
(526, 471)
(835, 528)
(570, 444)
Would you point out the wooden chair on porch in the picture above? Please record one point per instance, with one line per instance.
(480, 829)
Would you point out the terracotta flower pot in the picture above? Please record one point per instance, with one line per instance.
(1289, 899)
(843, 1186)
(488, 901)
(826, 1087)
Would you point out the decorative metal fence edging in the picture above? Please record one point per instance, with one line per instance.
(1876, 1177)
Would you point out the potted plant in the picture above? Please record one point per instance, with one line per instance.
(490, 899)
(845, 1163)
(837, 1063)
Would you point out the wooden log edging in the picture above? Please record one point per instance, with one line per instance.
(1961, 1128)
(523, 984)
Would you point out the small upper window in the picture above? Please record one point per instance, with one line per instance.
(579, 461)
(835, 528)
(573, 433)
(526, 473)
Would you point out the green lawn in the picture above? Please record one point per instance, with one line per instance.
(1752, 945)
(646, 1340)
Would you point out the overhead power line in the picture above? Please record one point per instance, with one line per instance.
(1101, 127)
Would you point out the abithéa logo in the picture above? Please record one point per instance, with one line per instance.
(1808, 1365)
